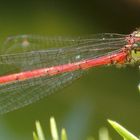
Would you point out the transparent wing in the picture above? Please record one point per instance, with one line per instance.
(27, 52)
(22, 93)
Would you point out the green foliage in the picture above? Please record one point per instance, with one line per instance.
(39, 134)
(122, 131)
(103, 132)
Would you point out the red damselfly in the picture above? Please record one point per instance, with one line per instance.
(30, 70)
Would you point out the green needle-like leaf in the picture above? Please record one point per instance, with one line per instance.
(103, 134)
(53, 128)
(139, 87)
(35, 136)
(63, 134)
(40, 133)
(122, 131)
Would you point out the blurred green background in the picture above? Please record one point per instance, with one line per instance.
(107, 92)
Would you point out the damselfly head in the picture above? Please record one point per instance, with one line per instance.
(135, 42)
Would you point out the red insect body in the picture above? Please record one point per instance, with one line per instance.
(119, 57)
